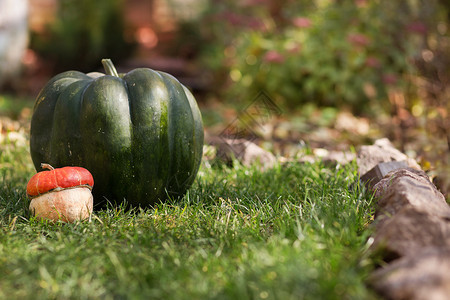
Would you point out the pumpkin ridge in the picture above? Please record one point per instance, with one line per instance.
(84, 90)
(61, 135)
(107, 137)
(134, 174)
(43, 115)
(196, 129)
(146, 92)
(181, 164)
(169, 126)
(62, 76)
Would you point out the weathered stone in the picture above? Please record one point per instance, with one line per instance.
(335, 157)
(409, 231)
(329, 157)
(346, 121)
(409, 187)
(381, 151)
(386, 181)
(374, 175)
(424, 276)
(412, 226)
(246, 152)
(412, 230)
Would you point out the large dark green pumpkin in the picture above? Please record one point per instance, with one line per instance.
(139, 134)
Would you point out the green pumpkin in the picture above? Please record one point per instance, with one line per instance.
(139, 134)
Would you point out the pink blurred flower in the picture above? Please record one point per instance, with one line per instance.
(417, 27)
(358, 39)
(302, 22)
(238, 20)
(361, 3)
(254, 2)
(273, 56)
(256, 24)
(372, 62)
(390, 79)
(233, 18)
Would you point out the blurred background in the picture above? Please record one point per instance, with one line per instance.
(343, 72)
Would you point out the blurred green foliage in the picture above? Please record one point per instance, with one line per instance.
(331, 53)
(13, 106)
(82, 34)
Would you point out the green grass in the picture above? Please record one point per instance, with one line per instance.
(297, 231)
(13, 106)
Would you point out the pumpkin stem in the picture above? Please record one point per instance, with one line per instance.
(46, 166)
(109, 67)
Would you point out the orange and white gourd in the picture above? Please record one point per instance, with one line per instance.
(61, 194)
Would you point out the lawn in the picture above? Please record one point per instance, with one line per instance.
(297, 231)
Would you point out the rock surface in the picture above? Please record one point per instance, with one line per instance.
(410, 231)
(377, 173)
(412, 226)
(409, 187)
(329, 157)
(381, 151)
(424, 276)
(245, 151)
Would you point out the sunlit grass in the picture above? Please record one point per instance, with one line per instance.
(297, 231)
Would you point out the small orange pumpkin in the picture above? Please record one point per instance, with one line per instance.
(61, 194)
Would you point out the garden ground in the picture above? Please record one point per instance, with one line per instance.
(298, 230)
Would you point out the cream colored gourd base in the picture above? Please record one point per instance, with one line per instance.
(68, 205)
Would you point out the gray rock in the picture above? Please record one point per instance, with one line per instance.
(328, 157)
(374, 175)
(412, 231)
(245, 151)
(409, 232)
(409, 187)
(381, 151)
(424, 276)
